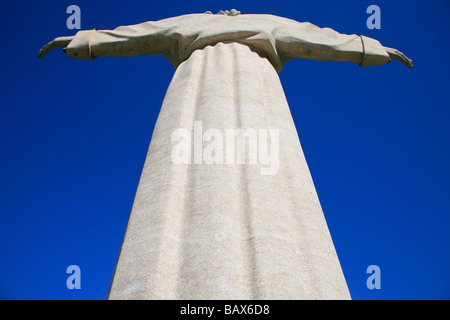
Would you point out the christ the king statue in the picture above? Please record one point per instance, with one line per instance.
(224, 229)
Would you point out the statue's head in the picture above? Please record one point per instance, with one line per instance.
(232, 12)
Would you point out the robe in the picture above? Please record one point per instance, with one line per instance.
(225, 230)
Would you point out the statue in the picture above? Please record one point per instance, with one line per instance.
(279, 39)
(215, 230)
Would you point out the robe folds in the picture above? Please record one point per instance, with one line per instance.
(278, 39)
(225, 230)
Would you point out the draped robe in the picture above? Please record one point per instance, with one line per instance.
(226, 231)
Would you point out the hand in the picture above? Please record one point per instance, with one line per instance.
(397, 55)
(56, 43)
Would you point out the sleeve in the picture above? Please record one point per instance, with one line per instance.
(307, 41)
(152, 38)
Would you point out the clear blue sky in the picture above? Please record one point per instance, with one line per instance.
(74, 136)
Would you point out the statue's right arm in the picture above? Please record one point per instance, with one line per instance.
(151, 37)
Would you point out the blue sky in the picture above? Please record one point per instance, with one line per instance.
(74, 136)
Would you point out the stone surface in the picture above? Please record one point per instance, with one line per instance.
(278, 39)
(226, 231)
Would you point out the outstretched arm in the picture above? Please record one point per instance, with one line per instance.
(307, 41)
(153, 37)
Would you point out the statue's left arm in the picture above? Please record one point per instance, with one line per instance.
(307, 41)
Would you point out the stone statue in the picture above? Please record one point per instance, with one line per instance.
(278, 39)
(219, 230)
